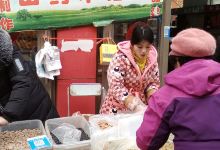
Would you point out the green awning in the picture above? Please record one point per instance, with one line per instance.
(102, 23)
(19, 19)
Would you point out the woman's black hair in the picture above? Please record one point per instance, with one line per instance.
(182, 60)
(142, 32)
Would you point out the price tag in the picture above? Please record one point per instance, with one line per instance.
(39, 142)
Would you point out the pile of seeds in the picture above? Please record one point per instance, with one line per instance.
(17, 140)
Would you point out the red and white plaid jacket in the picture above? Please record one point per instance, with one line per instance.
(125, 78)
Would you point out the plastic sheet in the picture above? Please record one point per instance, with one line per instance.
(67, 133)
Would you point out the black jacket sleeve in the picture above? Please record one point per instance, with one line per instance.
(20, 81)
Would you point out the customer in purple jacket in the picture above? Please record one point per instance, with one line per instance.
(188, 105)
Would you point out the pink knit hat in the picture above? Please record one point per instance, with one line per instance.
(194, 43)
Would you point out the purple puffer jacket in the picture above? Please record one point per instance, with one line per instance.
(187, 106)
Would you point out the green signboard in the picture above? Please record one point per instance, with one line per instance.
(17, 15)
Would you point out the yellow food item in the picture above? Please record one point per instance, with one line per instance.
(168, 146)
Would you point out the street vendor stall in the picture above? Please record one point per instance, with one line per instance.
(69, 25)
(70, 33)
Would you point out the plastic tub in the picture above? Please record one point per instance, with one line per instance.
(21, 125)
(17, 126)
(78, 122)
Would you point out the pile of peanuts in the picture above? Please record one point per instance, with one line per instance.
(17, 140)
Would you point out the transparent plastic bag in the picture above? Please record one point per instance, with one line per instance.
(121, 133)
(102, 128)
(102, 122)
(67, 133)
(121, 144)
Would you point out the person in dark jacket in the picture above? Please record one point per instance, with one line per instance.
(22, 95)
(188, 105)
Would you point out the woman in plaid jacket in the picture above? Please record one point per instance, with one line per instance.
(133, 74)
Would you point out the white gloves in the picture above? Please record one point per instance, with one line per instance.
(135, 104)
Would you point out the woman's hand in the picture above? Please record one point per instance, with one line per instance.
(134, 104)
(131, 102)
(3, 121)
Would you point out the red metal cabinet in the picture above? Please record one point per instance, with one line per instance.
(77, 67)
(78, 64)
